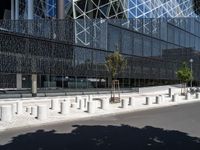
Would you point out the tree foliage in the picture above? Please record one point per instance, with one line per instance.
(115, 63)
(184, 74)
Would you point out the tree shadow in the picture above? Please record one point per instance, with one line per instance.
(110, 137)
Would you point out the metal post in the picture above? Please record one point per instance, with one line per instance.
(16, 9)
(191, 73)
(60, 9)
(30, 9)
(12, 10)
(191, 61)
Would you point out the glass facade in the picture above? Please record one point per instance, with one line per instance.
(153, 57)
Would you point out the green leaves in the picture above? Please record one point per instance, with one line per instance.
(184, 73)
(115, 63)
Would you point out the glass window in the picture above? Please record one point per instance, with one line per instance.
(170, 34)
(156, 48)
(147, 46)
(163, 30)
(163, 47)
(192, 41)
(177, 36)
(182, 38)
(138, 45)
(127, 42)
(187, 40)
(114, 38)
(147, 26)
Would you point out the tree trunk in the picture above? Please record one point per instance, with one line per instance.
(181, 88)
(185, 88)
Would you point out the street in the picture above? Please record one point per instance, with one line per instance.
(172, 128)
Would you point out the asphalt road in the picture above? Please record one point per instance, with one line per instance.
(172, 128)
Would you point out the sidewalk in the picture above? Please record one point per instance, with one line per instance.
(75, 113)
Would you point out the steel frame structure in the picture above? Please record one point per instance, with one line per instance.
(84, 10)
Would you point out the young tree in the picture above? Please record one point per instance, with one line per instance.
(184, 74)
(114, 63)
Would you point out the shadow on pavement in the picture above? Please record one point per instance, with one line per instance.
(122, 137)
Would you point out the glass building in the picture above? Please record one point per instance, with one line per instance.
(65, 42)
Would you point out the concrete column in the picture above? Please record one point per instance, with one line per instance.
(170, 92)
(105, 104)
(74, 105)
(55, 105)
(125, 103)
(147, 101)
(187, 96)
(19, 108)
(81, 104)
(28, 109)
(12, 10)
(158, 99)
(131, 101)
(34, 85)
(42, 112)
(197, 96)
(90, 97)
(16, 9)
(162, 98)
(19, 81)
(85, 102)
(6, 113)
(14, 108)
(91, 107)
(65, 106)
(76, 99)
(60, 9)
(30, 9)
(34, 110)
(174, 97)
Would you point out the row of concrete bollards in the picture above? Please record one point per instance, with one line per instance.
(84, 104)
(174, 98)
(41, 111)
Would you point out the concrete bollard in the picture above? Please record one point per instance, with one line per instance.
(85, 102)
(147, 101)
(170, 92)
(74, 105)
(14, 108)
(81, 104)
(105, 104)
(28, 109)
(77, 99)
(158, 99)
(34, 110)
(42, 112)
(65, 106)
(197, 96)
(19, 108)
(91, 107)
(125, 103)
(90, 97)
(162, 98)
(6, 113)
(55, 105)
(187, 96)
(174, 97)
(131, 102)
